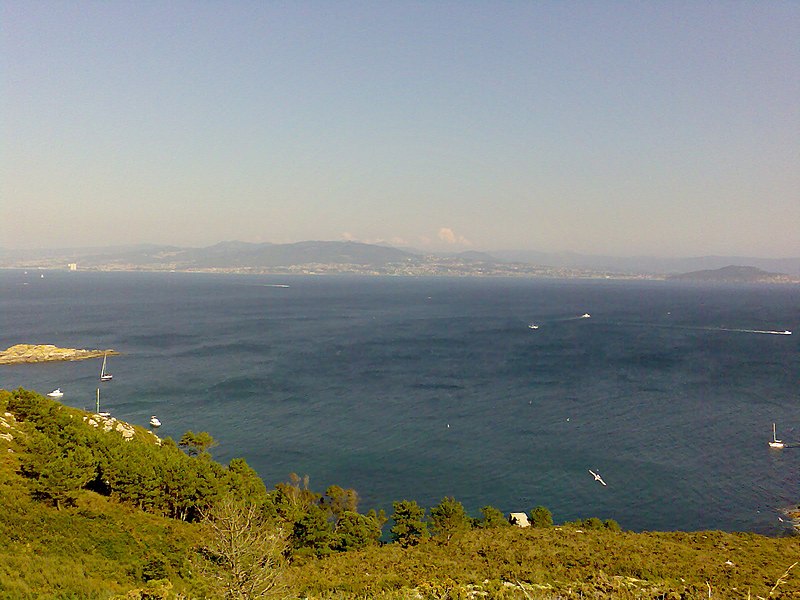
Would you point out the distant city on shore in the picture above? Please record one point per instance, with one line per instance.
(346, 257)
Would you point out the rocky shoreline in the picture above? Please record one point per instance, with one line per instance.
(36, 353)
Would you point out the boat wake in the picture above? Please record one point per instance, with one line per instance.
(762, 331)
(576, 318)
(728, 329)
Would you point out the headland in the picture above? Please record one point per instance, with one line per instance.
(36, 353)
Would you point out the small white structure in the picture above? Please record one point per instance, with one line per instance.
(519, 519)
(73, 266)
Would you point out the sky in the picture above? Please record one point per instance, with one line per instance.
(621, 128)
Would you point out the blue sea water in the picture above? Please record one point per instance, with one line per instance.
(422, 388)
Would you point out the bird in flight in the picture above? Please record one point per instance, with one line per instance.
(597, 477)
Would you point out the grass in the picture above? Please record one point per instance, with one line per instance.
(93, 550)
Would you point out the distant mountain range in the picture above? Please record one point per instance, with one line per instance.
(344, 256)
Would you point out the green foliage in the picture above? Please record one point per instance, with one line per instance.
(541, 517)
(492, 517)
(339, 501)
(154, 568)
(137, 534)
(290, 501)
(62, 477)
(611, 525)
(312, 534)
(65, 455)
(558, 562)
(448, 518)
(355, 531)
(244, 483)
(197, 443)
(592, 523)
(27, 405)
(409, 525)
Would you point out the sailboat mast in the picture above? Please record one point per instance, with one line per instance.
(98, 400)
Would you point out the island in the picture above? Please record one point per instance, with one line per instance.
(36, 353)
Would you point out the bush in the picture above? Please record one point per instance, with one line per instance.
(541, 517)
(492, 517)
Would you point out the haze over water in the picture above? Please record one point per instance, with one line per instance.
(421, 388)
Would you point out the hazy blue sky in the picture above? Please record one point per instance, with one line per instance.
(665, 128)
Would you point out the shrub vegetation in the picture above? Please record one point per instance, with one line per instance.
(86, 514)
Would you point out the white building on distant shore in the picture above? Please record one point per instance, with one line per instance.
(73, 266)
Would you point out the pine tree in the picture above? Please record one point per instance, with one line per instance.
(409, 525)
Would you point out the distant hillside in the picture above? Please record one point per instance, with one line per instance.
(284, 255)
(224, 255)
(355, 257)
(733, 274)
(648, 264)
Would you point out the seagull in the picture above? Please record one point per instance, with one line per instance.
(597, 477)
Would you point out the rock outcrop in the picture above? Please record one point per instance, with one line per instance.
(36, 353)
(108, 423)
(8, 424)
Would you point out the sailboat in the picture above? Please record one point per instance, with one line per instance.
(102, 414)
(103, 375)
(775, 442)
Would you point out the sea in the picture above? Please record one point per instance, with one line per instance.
(422, 388)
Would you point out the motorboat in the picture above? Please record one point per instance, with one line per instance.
(56, 393)
(154, 422)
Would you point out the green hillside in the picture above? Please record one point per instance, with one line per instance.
(95, 508)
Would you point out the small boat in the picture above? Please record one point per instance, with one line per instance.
(103, 375)
(585, 316)
(102, 414)
(154, 422)
(775, 442)
(56, 393)
(533, 326)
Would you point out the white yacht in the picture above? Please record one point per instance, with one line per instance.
(775, 442)
(103, 375)
(56, 393)
(154, 422)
